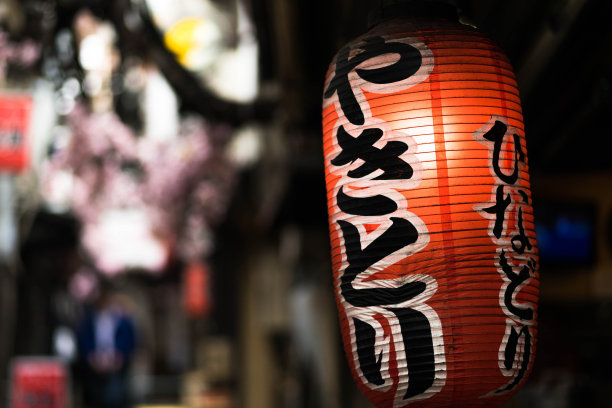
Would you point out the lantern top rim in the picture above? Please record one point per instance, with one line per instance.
(413, 9)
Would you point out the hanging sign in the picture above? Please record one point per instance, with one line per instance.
(14, 123)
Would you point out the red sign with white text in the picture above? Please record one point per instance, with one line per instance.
(39, 383)
(14, 123)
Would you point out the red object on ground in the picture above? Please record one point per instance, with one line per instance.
(431, 225)
(40, 383)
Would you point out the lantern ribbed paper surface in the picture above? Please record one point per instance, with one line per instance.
(433, 245)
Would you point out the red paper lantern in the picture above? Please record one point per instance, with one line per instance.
(433, 245)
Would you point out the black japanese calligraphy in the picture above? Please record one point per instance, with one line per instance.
(515, 259)
(408, 64)
(361, 147)
(374, 163)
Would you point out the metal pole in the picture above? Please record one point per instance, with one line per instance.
(8, 251)
(8, 224)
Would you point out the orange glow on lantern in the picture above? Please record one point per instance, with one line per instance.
(431, 225)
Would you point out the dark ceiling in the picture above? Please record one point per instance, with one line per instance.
(561, 51)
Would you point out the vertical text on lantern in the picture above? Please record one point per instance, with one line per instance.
(514, 249)
(374, 163)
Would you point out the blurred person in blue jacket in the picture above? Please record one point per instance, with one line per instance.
(106, 339)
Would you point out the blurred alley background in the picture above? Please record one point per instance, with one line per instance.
(170, 174)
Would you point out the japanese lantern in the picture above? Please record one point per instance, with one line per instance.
(196, 289)
(431, 224)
